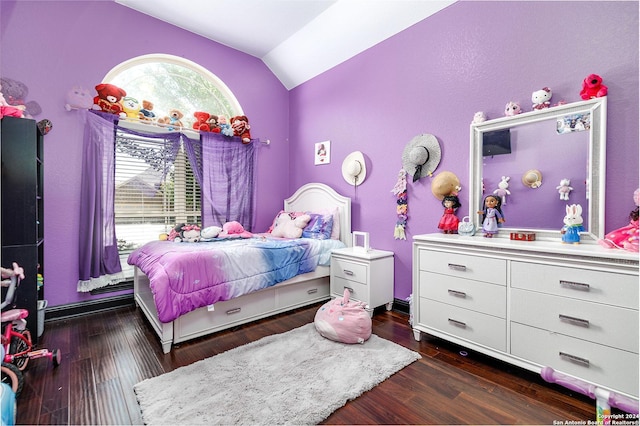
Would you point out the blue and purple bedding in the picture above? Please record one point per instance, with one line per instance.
(186, 276)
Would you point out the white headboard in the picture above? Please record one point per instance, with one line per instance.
(320, 197)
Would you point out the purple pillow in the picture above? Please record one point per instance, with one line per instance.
(319, 227)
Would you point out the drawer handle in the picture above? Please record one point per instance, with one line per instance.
(575, 359)
(457, 293)
(312, 291)
(575, 285)
(457, 323)
(457, 267)
(349, 288)
(233, 311)
(573, 320)
(348, 272)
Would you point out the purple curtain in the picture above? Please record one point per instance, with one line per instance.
(228, 180)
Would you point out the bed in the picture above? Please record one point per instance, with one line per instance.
(295, 292)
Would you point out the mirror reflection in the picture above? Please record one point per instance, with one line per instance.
(540, 161)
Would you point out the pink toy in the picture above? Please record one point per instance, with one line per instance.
(627, 237)
(234, 229)
(343, 321)
(592, 87)
(541, 98)
(512, 108)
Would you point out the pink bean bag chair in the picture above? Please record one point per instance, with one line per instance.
(343, 321)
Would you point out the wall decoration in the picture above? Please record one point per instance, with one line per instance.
(400, 190)
(574, 123)
(322, 153)
(354, 170)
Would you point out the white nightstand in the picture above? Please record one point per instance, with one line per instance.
(368, 275)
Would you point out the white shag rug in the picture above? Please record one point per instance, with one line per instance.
(294, 378)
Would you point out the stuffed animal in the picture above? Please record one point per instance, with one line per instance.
(564, 189)
(225, 127)
(210, 232)
(479, 117)
(201, 121)
(240, 125)
(512, 108)
(172, 120)
(234, 229)
(146, 113)
(78, 98)
(108, 99)
(541, 98)
(572, 224)
(183, 232)
(343, 320)
(592, 87)
(131, 107)
(289, 225)
(8, 110)
(627, 237)
(16, 93)
(503, 190)
(214, 127)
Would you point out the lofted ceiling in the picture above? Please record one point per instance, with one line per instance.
(296, 39)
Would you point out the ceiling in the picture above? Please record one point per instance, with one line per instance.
(296, 39)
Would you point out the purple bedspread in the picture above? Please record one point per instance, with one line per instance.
(187, 276)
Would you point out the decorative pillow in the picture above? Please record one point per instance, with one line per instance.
(335, 226)
(343, 321)
(293, 214)
(289, 226)
(319, 227)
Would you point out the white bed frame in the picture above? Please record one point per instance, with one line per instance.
(298, 291)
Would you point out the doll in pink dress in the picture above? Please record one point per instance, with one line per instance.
(626, 237)
(449, 221)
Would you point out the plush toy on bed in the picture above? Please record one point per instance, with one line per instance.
(289, 225)
(343, 320)
(210, 232)
(234, 229)
(183, 232)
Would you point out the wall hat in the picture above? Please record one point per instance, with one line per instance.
(532, 178)
(445, 183)
(354, 170)
(421, 156)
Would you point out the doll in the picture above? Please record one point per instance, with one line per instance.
(449, 221)
(491, 215)
(625, 238)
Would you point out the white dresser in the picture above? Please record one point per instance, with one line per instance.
(368, 275)
(533, 304)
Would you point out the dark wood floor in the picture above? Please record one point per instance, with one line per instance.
(105, 354)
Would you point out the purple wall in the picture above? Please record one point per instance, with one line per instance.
(433, 77)
(53, 46)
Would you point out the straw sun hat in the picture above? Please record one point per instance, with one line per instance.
(354, 170)
(421, 156)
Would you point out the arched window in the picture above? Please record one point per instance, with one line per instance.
(149, 201)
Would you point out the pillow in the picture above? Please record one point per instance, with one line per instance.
(335, 227)
(319, 227)
(293, 214)
(289, 225)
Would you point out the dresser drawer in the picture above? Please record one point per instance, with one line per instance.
(477, 268)
(475, 295)
(476, 327)
(595, 322)
(357, 290)
(585, 284)
(349, 270)
(602, 365)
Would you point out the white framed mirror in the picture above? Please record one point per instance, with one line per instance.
(561, 142)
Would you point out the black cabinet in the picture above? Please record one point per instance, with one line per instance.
(23, 209)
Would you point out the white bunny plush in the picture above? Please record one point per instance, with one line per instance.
(564, 189)
(572, 224)
(502, 190)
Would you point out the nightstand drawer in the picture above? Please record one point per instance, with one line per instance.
(357, 290)
(348, 270)
(595, 322)
(476, 327)
(585, 284)
(477, 268)
(475, 295)
(609, 367)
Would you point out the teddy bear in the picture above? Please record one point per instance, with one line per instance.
(234, 229)
(214, 127)
(541, 98)
(172, 120)
(78, 98)
(512, 108)
(201, 123)
(146, 114)
(108, 99)
(240, 125)
(592, 87)
(15, 93)
(225, 127)
(131, 107)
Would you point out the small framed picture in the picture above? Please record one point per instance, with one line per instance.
(574, 123)
(322, 153)
(360, 241)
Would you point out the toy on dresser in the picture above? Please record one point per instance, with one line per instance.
(572, 224)
(627, 237)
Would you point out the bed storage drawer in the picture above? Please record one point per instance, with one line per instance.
(474, 326)
(302, 293)
(610, 367)
(477, 268)
(227, 312)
